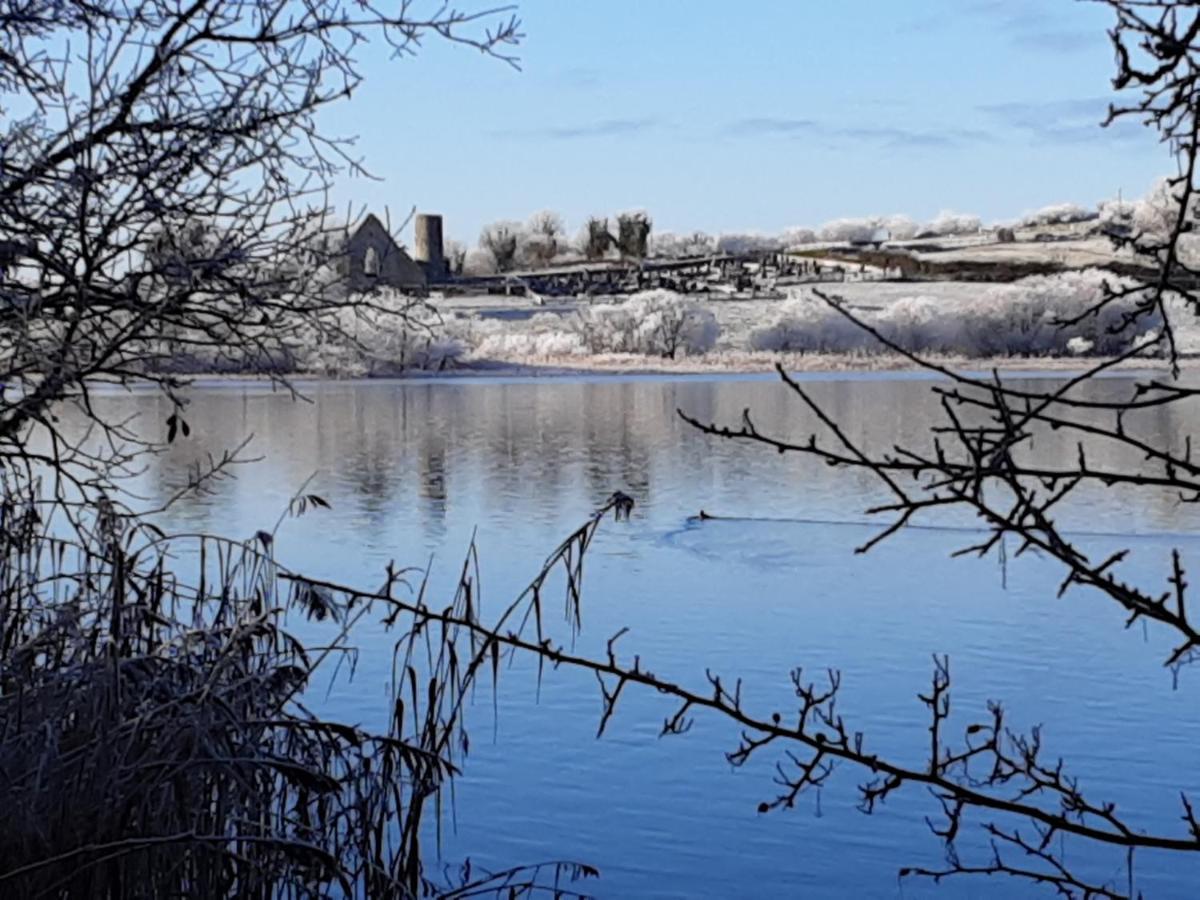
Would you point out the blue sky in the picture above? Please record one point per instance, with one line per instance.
(752, 116)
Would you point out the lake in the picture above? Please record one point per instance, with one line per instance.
(413, 469)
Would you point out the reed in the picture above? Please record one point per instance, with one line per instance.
(155, 739)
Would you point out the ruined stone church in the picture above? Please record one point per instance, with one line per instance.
(373, 259)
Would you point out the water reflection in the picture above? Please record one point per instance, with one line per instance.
(414, 469)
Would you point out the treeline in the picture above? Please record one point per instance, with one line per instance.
(543, 241)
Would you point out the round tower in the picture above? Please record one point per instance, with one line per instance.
(427, 233)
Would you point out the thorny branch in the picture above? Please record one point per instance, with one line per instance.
(982, 457)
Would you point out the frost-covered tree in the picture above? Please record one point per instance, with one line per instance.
(1116, 212)
(633, 234)
(738, 243)
(479, 262)
(797, 236)
(1022, 319)
(595, 239)
(375, 340)
(1058, 214)
(651, 323)
(901, 227)
(1157, 213)
(948, 223)
(850, 229)
(542, 239)
(501, 240)
(456, 256)
(190, 250)
(670, 245)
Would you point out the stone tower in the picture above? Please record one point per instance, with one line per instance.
(429, 252)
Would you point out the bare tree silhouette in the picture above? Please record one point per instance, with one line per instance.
(153, 738)
(163, 189)
(980, 458)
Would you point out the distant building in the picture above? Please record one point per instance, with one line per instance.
(877, 238)
(373, 259)
(428, 247)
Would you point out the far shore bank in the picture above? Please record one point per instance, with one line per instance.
(715, 365)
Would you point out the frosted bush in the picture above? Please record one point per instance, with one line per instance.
(1116, 212)
(1057, 214)
(738, 243)
(806, 324)
(479, 262)
(542, 336)
(669, 245)
(901, 228)
(1023, 319)
(651, 323)
(542, 239)
(1156, 213)
(530, 345)
(393, 334)
(842, 230)
(950, 223)
(666, 245)
(795, 237)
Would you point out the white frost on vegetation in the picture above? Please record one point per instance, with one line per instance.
(669, 245)
(391, 334)
(1057, 214)
(652, 323)
(845, 230)
(898, 227)
(948, 223)
(742, 242)
(993, 323)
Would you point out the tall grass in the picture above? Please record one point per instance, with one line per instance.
(155, 741)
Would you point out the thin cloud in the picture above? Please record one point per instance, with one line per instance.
(885, 136)
(602, 129)
(1025, 24)
(1061, 121)
(767, 125)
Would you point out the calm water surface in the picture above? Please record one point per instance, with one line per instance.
(412, 470)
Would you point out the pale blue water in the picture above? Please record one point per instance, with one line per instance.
(413, 469)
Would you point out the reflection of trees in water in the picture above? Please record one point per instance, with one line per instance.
(554, 447)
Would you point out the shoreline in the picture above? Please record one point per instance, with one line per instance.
(748, 364)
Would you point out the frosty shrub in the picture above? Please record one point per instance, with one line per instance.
(1057, 214)
(650, 323)
(633, 233)
(1024, 319)
(841, 230)
(807, 325)
(670, 245)
(479, 262)
(901, 228)
(949, 223)
(376, 342)
(544, 336)
(864, 228)
(739, 243)
(456, 256)
(1116, 212)
(795, 237)
(542, 239)
(595, 239)
(501, 240)
(1156, 214)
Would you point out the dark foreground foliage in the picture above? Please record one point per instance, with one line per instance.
(155, 739)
